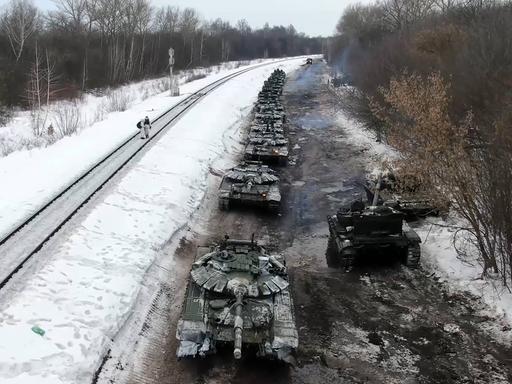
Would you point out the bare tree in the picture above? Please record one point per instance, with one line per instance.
(73, 12)
(400, 14)
(189, 22)
(167, 19)
(19, 22)
(40, 90)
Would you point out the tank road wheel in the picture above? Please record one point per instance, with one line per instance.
(331, 254)
(223, 204)
(348, 258)
(413, 256)
(273, 207)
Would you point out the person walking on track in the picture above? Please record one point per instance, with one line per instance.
(144, 125)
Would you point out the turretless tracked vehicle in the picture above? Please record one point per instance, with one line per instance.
(250, 183)
(238, 296)
(378, 230)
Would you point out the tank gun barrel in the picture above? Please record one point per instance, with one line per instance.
(377, 190)
(238, 326)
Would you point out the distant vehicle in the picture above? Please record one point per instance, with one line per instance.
(250, 183)
(309, 60)
(362, 229)
(238, 296)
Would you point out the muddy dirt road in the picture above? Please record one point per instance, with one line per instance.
(382, 324)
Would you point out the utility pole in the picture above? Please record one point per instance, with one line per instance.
(173, 82)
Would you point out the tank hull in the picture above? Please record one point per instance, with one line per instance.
(347, 248)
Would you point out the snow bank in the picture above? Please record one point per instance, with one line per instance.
(30, 177)
(439, 256)
(87, 287)
(358, 136)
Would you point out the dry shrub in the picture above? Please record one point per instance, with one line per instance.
(458, 162)
(67, 118)
(117, 101)
(442, 41)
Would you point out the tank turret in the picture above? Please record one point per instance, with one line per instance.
(238, 295)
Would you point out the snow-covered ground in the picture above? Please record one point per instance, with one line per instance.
(95, 106)
(30, 177)
(87, 285)
(438, 253)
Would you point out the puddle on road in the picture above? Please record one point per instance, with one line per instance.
(314, 121)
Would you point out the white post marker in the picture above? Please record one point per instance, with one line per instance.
(173, 83)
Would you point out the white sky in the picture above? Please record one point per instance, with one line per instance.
(314, 17)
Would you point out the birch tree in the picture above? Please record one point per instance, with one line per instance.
(20, 21)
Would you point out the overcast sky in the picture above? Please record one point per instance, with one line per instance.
(314, 17)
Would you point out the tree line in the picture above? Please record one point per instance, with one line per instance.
(434, 79)
(86, 44)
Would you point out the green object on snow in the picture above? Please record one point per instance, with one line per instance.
(38, 330)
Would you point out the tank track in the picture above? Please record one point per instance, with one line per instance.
(223, 204)
(347, 258)
(413, 256)
(273, 207)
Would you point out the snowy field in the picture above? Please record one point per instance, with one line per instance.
(85, 289)
(438, 253)
(31, 177)
(96, 105)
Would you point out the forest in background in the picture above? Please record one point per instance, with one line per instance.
(88, 44)
(434, 79)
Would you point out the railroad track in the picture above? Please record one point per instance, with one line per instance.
(27, 238)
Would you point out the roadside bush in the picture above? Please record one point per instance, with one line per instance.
(117, 101)
(5, 115)
(67, 118)
(463, 166)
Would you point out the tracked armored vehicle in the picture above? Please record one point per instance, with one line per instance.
(238, 296)
(266, 129)
(250, 183)
(269, 148)
(412, 205)
(377, 230)
(270, 115)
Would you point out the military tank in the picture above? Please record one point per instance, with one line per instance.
(262, 129)
(269, 104)
(270, 115)
(413, 205)
(250, 183)
(268, 148)
(379, 230)
(238, 296)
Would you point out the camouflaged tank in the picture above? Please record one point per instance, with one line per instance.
(411, 202)
(269, 105)
(268, 148)
(238, 296)
(270, 115)
(250, 183)
(371, 230)
(258, 129)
